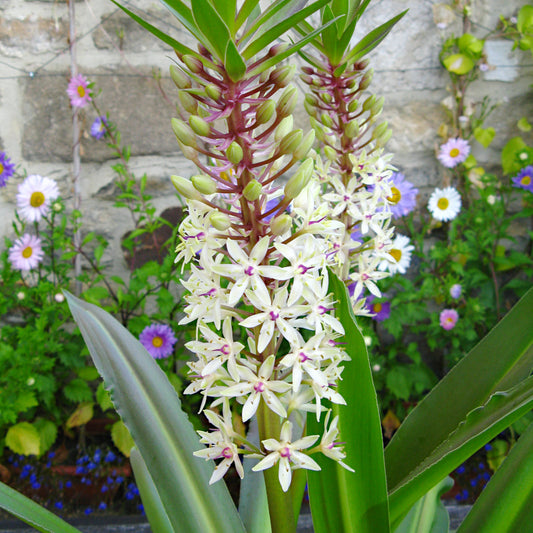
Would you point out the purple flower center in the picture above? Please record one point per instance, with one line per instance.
(285, 452)
(322, 309)
(303, 358)
(226, 349)
(274, 315)
(249, 270)
(259, 387)
(303, 269)
(227, 453)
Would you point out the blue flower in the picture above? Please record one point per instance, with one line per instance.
(88, 511)
(99, 128)
(58, 505)
(102, 506)
(7, 169)
(460, 470)
(110, 457)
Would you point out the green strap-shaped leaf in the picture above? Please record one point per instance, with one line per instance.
(265, 16)
(329, 35)
(31, 513)
(272, 34)
(428, 515)
(184, 15)
(372, 39)
(508, 346)
(244, 12)
(227, 11)
(214, 29)
(505, 505)
(234, 63)
(152, 504)
(343, 501)
(151, 410)
(340, 8)
(158, 33)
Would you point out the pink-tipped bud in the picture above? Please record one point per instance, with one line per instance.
(188, 102)
(277, 49)
(193, 63)
(308, 70)
(199, 126)
(265, 111)
(183, 132)
(284, 127)
(220, 221)
(299, 180)
(252, 191)
(204, 184)
(281, 224)
(303, 149)
(234, 153)
(290, 142)
(179, 77)
(185, 188)
(308, 80)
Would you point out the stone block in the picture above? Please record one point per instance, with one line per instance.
(135, 104)
(32, 35)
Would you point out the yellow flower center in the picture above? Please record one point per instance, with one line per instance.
(396, 254)
(1, 169)
(377, 308)
(454, 152)
(526, 180)
(395, 197)
(157, 342)
(37, 199)
(81, 91)
(27, 252)
(443, 203)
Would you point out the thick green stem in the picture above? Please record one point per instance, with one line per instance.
(280, 505)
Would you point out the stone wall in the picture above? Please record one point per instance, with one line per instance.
(130, 70)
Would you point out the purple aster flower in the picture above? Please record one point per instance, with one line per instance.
(524, 179)
(403, 198)
(448, 318)
(381, 310)
(158, 339)
(455, 291)
(453, 152)
(26, 253)
(7, 169)
(99, 128)
(78, 91)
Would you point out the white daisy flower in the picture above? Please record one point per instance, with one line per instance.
(444, 204)
(26, 253)
(35, 195)
(400, 255)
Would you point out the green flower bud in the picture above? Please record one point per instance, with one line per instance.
(299, 180)
(181, 80)
(284, 127)
(311, 109)
(383, 139)
(281, 76)
(234, 153)
(188, 102)
(281, 224)
(204, 184)
(287, 102)
(265, 111)
(326, 98)
(326, 120)
(369, 103)
(377, 108)
(200, 126)
(353, 106)
(290, 142)
(306, 144)
(213, 91)
(317, 128)
(185, 188)
(308, 80)
(351, 130)
(367, 79)
(252, 191)
(277, 49)
(380, 130)
(183, 132)
(330, 153)
(193, 63)
(219, 221)
(311, 99)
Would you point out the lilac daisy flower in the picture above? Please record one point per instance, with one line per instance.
(455, 291)
(158, 339)
(448, 318)
(26, 253)
(403, 197)
(524, 179)
(453, 152)
(380, 310)
(78, 91)
(99, 128)
(7, 169)
(35, 196)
